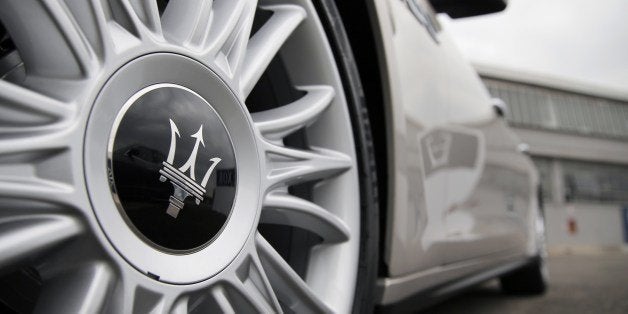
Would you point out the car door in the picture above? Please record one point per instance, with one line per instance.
(442, 208)
(413, 239)
(424, 72)
(489, 184)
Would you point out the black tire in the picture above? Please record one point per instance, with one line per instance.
(528, 280)
(369, 199)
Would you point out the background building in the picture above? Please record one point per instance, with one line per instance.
(578, 137)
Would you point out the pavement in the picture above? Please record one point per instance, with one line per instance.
(579, 283)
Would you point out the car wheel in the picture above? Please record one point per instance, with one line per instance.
(182, 156)
(528, 280)
(533, 278)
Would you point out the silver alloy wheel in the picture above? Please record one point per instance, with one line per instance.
(57, 111)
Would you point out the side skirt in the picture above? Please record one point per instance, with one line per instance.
(425, 288)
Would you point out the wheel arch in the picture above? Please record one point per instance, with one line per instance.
(356, 25)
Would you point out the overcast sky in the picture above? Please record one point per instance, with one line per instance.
(584, 40)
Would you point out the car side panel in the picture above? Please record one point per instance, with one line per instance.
(410, 113)
(446, 201)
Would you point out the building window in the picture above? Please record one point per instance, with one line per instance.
(588, 181)
(538, 107)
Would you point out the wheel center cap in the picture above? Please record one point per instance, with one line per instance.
(173, 166)
(163, 140)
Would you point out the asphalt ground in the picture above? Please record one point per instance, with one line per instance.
(585, 283)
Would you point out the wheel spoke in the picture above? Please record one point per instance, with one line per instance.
(267, 41)
(138, 18)
(181, 306)
(232, 40)
(222, 300)
(81, 291)
(23, 236)
(21, 107)
(291, 290)
(56, 140)
(113, 26)
(231, 18)
(291, 166)
(119, 25)
(255, 286)
(279, 122)
(220, 29)
(187, 22)
(220, 297)
(285, 209)
(231, 297)
(235, 295)
(129, 297)
(53, 193)
(48, 38)
(91, 18)
(148, 13)
(146, 301)
(36, 123)
(38, 167)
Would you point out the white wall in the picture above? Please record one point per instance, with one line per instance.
(598, 225)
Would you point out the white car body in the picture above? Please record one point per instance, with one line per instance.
(464, 197)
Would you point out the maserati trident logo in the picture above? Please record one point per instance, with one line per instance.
(184, 185)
